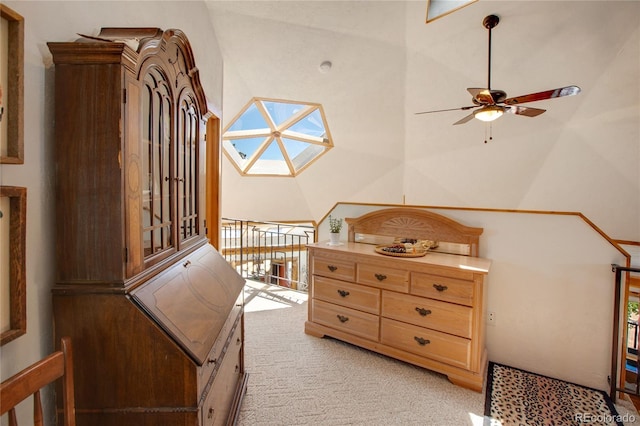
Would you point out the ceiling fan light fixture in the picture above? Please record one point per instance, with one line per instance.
(489, 113)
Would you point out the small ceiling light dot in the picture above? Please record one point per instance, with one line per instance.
(325, 66)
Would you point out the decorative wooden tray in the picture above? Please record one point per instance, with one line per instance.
(383, 249)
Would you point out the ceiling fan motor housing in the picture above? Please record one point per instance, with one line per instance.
(490, 21)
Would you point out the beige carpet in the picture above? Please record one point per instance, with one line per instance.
(296, 379)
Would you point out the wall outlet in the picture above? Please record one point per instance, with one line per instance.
(491, 318)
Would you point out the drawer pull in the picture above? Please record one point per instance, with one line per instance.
(212, 360)
(421, 341)
(381, 277)
(440, 287)
(238, 341)
(210, 414)
(237, 368)
(342, 318)
(422, 311)
(343, 293)
(332, 268)
(187, 263)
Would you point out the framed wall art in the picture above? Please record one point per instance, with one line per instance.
(13, 298)
(11, 86)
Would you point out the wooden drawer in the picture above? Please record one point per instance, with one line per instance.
(221, 345)
(338, 269)
(216, 407)
(428, 343)
(443, 316)
(355, 296)
(383, 277)
(442, 288)
(345, 319)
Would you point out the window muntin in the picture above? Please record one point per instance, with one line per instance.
(272, 137)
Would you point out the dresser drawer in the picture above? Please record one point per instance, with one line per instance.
(443, 288)
(216, 407)
(345, 319)
(443, 316)
(355, 296)
(383, 277)
(221, 345)
(428, 343)
(338, 269)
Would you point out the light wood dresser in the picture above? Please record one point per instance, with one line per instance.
(428, 311)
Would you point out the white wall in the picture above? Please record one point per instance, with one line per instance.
(581, 155)
(361, 97)
(60, 21)
(550, 287)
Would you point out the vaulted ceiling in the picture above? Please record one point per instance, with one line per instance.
(387, 64)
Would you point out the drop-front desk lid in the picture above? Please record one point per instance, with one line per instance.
(192, 299)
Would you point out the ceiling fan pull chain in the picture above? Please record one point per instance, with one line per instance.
(489, 125)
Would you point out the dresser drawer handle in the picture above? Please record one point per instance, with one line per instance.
(381, 277)
(343, 293)
(440, 287)
(421, 341)
(342, 318)
(212, 360)
(187, 263)
(210, 414)
(422, 311)
(332, 268)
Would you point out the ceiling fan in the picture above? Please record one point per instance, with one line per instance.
(489, 104)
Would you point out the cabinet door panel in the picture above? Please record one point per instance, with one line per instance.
(157, 159)
(188, 135)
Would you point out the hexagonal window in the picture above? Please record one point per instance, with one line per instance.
(271, 137)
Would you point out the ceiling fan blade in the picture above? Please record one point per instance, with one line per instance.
(526, 111)
(547, 94)
(464, 108)
(464, 119)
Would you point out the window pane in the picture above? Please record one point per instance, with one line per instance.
(271, 162)
(251, 119)
(310, 125)
(280, 111)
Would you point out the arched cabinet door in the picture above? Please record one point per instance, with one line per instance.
(157, 153)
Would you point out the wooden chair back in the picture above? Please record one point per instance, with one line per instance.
(33, 378)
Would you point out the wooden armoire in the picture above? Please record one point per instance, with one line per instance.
(154, 312)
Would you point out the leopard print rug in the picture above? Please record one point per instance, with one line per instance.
(516, 397)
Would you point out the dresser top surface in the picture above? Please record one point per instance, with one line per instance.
(468, 263)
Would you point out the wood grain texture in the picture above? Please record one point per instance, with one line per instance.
(414, 223)
(431, 309)
(157, 322)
